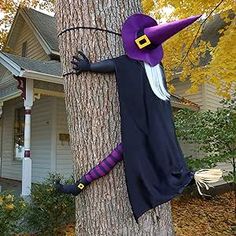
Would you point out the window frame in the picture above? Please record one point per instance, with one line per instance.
(19, 133)
(24, 49)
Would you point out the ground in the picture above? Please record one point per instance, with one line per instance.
(196, 216)
(193, 215)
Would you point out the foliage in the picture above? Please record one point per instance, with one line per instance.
(187, 50)
(12, 209)
(212, 131)
(49, 211)
(183, 52)
(147, 5)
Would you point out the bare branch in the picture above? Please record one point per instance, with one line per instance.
(196, 35)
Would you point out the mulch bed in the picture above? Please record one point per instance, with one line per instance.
(196, 216)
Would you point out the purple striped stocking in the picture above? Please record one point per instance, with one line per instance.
(103, 168)
(106, 165)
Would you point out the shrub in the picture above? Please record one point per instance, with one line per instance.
(49, 211)
(12, 209)
(214, 132)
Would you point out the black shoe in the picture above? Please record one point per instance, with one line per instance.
(73, 189)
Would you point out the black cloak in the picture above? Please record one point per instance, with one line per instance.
(154, 165)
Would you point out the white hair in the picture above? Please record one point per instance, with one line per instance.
(156, 80)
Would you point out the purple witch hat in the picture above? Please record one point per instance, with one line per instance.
(142, 36)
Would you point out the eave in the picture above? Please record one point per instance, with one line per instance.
(41, 40)
(16, 70)
(21, 12)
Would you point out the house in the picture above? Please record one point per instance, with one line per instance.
(34, 137)
(206, 97)
(34, 127)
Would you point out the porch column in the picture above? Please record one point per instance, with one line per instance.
(27, 162)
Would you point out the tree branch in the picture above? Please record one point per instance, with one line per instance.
(196, 35)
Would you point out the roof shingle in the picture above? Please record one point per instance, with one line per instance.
(46, 25)
(47, 67)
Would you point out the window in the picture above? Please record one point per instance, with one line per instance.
(24, 49)
(19, 125)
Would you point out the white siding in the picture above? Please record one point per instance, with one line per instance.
(34, 49)
(41, 138)
(48, 153)
(63, 152)
(189, 149)
(181, 88)
(10, 168)
(206, 97)
(212, 100)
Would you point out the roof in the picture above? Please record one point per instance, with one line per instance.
(182, 102)
(47, 67)
(48, 71)
(46, 25)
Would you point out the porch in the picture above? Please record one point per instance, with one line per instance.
(10, 185)
(34, 138)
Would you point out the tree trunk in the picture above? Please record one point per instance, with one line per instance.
(92, 108)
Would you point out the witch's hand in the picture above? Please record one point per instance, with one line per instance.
(80, 63)
(57, 184)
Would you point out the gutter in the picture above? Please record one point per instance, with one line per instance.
(10, 96)
(42, 76)
(10, 65)
(16, 70)
(183, 102)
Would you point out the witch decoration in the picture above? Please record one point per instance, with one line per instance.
(155, 168)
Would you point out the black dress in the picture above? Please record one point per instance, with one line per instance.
(154, 165)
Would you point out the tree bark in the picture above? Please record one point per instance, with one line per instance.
(92, 108)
